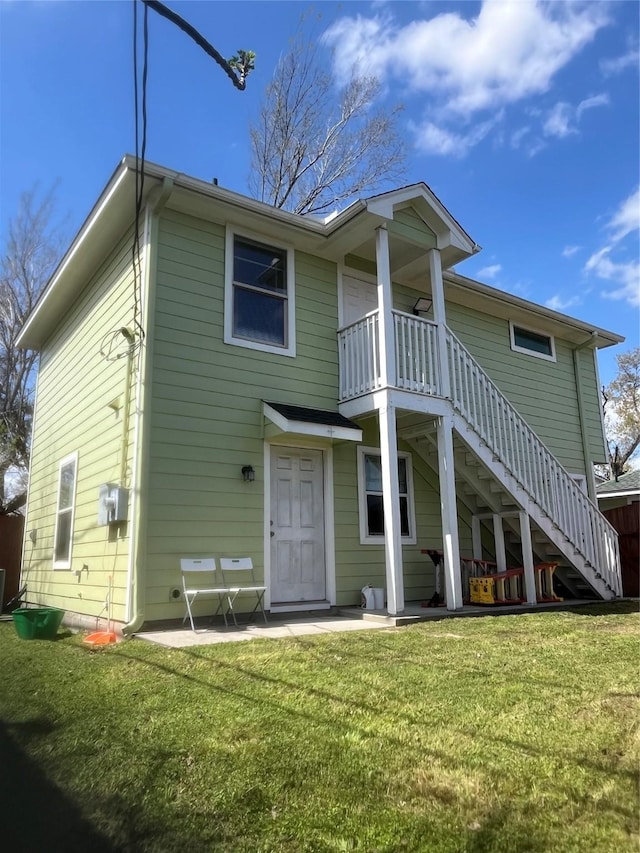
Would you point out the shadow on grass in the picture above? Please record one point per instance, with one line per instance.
(36, 814)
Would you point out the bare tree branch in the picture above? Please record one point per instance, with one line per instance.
(30, 252)
(621, 406)
(314, 145)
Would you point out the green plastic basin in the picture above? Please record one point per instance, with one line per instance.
(37, 623)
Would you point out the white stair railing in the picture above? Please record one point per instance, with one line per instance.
(487, 411)
(538, 472)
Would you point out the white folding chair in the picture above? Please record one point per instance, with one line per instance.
(198, 578)
(234, 571)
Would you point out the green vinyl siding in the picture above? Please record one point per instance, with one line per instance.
(543, 392)
(206, 404)
(407, 225)
(74, 388)
(358, 565)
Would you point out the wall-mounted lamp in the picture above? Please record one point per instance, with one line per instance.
(248, 474)
(422, 306)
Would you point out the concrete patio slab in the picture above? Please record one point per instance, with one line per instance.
(285, 628)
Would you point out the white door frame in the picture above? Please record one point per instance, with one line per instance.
(296, 443)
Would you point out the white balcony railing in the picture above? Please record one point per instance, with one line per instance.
(487, 411)
(416, 356)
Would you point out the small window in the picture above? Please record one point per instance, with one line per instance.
(532, 343)
(371, 497)
(65, 512)
(259, 296)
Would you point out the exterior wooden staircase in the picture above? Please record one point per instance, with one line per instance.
(502, 467)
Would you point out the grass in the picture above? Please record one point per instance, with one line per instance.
(511, 733)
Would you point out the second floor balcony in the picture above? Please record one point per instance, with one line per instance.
(417, 364)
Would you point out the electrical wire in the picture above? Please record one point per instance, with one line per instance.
(140, 152)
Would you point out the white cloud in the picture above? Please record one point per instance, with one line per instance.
(570, 251)
(563, 118)
(433, 139)
(508, 52)
(490, 271)
(558, 121)
(467, 65)
(601, 100)
(558, 303)
(609, 67)
(625, 273)
(626, 219)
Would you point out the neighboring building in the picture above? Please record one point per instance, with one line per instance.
(315, 394)
(619, 501)
(621, 492)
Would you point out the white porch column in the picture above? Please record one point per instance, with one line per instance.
(385, 308)
(440, 317)
(449, 513)
(391, 504)
(476, 537)
(498, 535)
(527, 558)
(388, 434)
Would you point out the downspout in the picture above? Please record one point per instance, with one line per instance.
(126, 333)
(591, 487)
(135, 614)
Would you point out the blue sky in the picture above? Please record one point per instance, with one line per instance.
(522, 117)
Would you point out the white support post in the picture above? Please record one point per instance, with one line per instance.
(385, 310)
(498, 535)
(391, 504)
(440, 317)
(527, 558)
(449, 513)
(476, 537)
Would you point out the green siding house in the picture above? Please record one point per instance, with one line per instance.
(328, 397)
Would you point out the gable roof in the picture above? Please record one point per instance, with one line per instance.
(626, 484)
(332, 238)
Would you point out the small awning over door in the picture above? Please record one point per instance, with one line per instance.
(299, 420)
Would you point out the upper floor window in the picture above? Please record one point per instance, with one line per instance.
(259, 303)
(371, 497)
(532, 343)
(65, 511)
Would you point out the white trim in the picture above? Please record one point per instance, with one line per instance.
(365, 537)
(581, 482)
(134, 533)
(290, 348)
(72, 457)
(75, 248)
(300, 608)
(313, 429)
(517, 348)
(340, 286)
(329, 528)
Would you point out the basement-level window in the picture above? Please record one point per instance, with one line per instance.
(531, 342)
(65, 511)
(371, 499)
(259, 299)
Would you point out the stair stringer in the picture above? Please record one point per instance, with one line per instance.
(524, 501)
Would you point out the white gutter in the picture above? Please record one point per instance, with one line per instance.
(582, 418)
(135, 610)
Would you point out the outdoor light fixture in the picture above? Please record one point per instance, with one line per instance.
(422, 306)
(248, 474)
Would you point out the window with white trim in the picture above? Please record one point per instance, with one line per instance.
(65, 512)
(259, 295)
(531, 342)
(370, 497)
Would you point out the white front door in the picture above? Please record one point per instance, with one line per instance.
(360, 296)
(298, 569)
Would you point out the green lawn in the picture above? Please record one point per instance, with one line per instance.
(511, 733)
